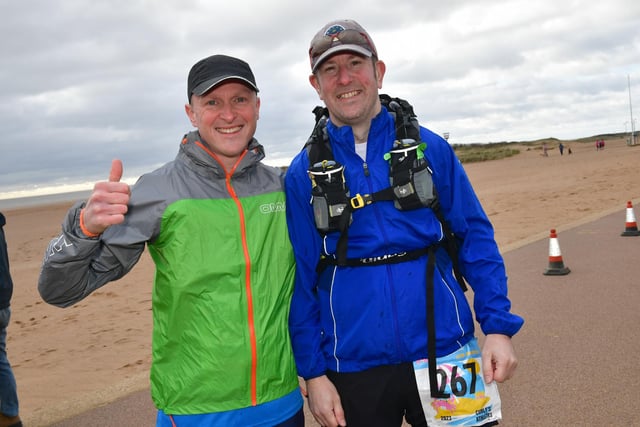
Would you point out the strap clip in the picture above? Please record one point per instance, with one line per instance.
(359, 201)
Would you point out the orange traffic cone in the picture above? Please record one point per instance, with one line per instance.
(630, 227)
(556, 265)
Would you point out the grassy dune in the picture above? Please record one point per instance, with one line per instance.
(468, 153)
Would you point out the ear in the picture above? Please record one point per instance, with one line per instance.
(316, 85)
(380, 70)
(191, 115)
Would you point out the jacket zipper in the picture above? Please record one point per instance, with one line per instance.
(394, 307)
(247, 272)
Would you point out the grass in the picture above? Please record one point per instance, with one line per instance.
(468, 153)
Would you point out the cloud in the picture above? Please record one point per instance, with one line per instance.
(84, 82)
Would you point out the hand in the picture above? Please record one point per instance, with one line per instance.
(324, 402)
(499, 358)
(107, 204)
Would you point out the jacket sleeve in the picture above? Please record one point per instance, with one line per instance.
(304, 317)
(75, 265)
(6, 284)
(479, 257)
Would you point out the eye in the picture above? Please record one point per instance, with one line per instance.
(329, 69)
(356, 62)
(212, 102)
(241, 100)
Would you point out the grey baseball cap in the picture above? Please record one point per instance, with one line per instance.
(337, 36)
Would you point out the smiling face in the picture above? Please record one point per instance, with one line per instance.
(226, 118)
(348, 84)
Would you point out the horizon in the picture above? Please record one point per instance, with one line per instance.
(34, 193)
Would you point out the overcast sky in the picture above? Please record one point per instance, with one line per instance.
(83, 82)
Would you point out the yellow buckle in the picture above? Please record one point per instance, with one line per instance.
(358, 201)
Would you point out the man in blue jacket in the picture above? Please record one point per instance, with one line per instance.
(361, 327)
(8, 394)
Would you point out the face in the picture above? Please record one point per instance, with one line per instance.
(348, 84)
(226, 118)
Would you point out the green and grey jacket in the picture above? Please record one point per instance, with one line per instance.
(223, 282)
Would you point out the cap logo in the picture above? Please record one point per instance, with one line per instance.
(334, 30)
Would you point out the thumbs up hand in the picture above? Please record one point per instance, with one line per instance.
(107, 204)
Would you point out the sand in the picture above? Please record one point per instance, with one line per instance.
(69, 360)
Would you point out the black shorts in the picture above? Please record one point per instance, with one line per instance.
(381, 396)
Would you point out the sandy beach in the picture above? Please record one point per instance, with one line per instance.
(69, 360)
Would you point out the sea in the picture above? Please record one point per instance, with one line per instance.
(29, 196)
(42, 200)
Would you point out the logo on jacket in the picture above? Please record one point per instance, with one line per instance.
(58, 245)
(268, 208)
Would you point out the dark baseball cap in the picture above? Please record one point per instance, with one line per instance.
(337, 36)
(210, 72)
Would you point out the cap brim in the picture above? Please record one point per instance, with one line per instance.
(341, 48)
(206, 86)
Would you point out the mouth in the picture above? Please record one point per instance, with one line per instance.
(348, 95)
(229, 130)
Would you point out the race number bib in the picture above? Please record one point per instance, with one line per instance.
(469, 401)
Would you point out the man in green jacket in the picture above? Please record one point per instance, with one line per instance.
(214, 223)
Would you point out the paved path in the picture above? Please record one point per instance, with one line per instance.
(578, 349)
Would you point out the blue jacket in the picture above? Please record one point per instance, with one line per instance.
(349, 319)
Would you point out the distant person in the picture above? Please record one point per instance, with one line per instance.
(213, 221)
(375, 285)
(544, 149)
(561, 148)
(9, 409)
(569, 150)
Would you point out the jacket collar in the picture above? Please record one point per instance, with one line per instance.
(191, 147)
(381, 133)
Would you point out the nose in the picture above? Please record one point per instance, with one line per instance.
(227, 112)
(344, 75)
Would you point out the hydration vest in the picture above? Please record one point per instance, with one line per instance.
(411, 187)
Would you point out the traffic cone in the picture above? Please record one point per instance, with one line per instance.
(630, 227)
(556, 265)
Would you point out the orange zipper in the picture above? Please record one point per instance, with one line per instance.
(247, 273)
